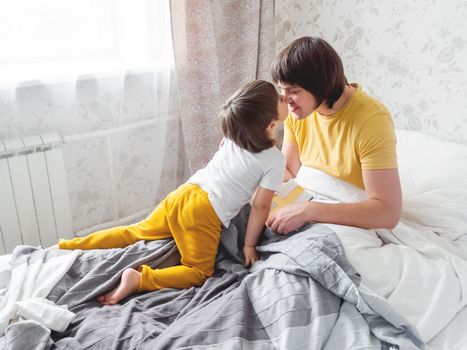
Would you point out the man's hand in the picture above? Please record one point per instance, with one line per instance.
(251, 255)
(289, 218)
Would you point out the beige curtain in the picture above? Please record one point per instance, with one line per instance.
(218, 45)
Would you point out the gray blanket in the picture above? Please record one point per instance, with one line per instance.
(303, 294)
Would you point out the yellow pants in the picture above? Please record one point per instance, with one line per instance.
(187, 215)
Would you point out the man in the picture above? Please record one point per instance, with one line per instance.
(335, 127)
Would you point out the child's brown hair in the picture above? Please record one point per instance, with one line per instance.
(247, 114)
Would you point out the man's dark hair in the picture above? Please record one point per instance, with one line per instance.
(314, 65)
(248, 112)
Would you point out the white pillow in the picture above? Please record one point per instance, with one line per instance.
(434, 182)
(427, 163)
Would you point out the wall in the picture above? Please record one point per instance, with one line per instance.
(412, 55)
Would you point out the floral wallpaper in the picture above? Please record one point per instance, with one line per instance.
(412, 55)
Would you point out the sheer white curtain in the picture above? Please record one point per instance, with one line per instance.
(53, 38)
(99, 73)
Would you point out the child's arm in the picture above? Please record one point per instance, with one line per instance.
(287, 175)
(259, 213)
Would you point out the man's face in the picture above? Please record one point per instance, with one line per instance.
(300, 102)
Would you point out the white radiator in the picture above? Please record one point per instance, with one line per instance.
(34, 203)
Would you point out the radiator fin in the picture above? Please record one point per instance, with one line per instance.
(34, 205)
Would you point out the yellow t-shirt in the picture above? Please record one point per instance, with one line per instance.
(358, 137)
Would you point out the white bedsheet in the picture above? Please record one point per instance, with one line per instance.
(452, 337)
(420, 266)
(23, 289)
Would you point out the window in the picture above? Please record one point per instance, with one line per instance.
(43, 39)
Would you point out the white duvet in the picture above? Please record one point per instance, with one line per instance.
(24, 287)
(421, 265)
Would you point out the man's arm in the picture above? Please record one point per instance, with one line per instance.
(382, 209)
(293, 164)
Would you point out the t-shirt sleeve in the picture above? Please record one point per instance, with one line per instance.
(289, 130)
(274, 172)
(377, 143)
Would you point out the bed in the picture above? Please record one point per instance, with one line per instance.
(323, 287)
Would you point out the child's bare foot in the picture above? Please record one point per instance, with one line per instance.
(128, 285)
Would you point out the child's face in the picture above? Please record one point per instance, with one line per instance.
(282, 109)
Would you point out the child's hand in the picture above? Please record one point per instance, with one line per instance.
(250, 255)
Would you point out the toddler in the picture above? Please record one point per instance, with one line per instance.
(246, 164)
